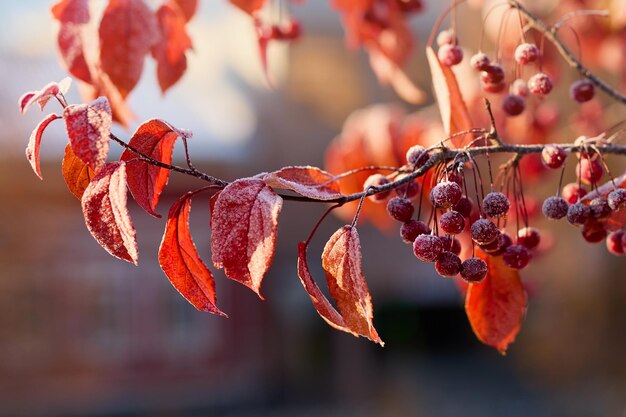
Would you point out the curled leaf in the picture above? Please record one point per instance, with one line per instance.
(244, 222)
(179, 260)
(106, 214)
(307, 181)
(44, 95)
(76, 173)
(34, 143)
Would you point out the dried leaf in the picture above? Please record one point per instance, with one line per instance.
(76, 173)
(244, 222)
(249, 6)
(308, 181)
(188, 7)
(88, 127)
(44, 95)
(32, 150)
(178, 258)
(127, 32)
(154, 138)
(496, 306)
(106, 214)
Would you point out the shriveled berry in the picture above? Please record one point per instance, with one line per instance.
(516, 256)
(614, 242)
(417, 156)
(553, 156)
(484, 231)
(492, 74)
(427, 248)
(480, 61)
(513, 105)
(594, 232)
(526, 53)
(589, 170)
(377, 180)
(504, 241)
(473, 270)
(447, 37)
(540, 84)
(572, 192)
(582, 90)
(400, 209)
(449, 55)
(464, 206)
(451, 244)
(452, 222)
(445, 194)
(528, 237)
(448, 264)
(409, 190)
(496, 204)
(617, 199)
(600, 209)
(412, 229)
(554, 208)
(519, 88)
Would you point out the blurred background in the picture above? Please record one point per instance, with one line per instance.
(84, 334)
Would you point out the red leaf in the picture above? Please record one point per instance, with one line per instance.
(106, 214)
(127, 31)
(44, 95)
(188, 7)
(154, 138)
(249, 6)
(76, 173)
(32, 150)
(244, 221)
(102, 86)
(452, 107)
(308, 181)
(496, 306)
(73, 35)
(169, 52)
(179, 260)
(88, 127)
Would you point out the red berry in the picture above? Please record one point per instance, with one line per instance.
(409, 190)
(582, 90)
(479, 61)
(553, 156)
(449, 55)
(617, 199)
(614, 242)
(448, 264)
(493, 74)
(456, 176)
(594, 232)
(554, 208)
(484, 231)
(451, 244)
(400, 209)
(427, 248)
(412, 229)
(473, 270)
(464, 206)
(516, 256)
(528, 237)
(493, 88)
(513, 105)
(496, 204)
(526, 53)
(290, 31)
(519, 88)
(494, 246)
(452, 222)
(417, 156)
(540, 84)
(600, 209)
(377, 180)
(410, 6)
(589, 170)
(447, 37)
(578, 214)
(572, 193)
(504, 241)
(445, 194)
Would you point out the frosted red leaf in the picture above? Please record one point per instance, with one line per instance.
(496, 306)
(244, 222)
(88, 127)
(102, 86)
(341, 259)
(128, 30)
(188, 7)
(308, 181)
(106, 214)
(452, 107)
(76, 173)
(34, 143)
(178, 258)
(249, 6)
(169, 52)
(154, 138)
(44, 95)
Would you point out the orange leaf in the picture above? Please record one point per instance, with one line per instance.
(308, 181)
(76, 173)
(34, 143)
(106, 214)
(496, 306)
(178, 258)
(244, 222)
(249, 6)
(188, 7)
(154, 138)
(452, 107)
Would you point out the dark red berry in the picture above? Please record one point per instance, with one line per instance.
(417, 156)
(493, 74)
(513, 105)
(493, 246)
(377, 180)
(614, 242)
(473, 270)
(464, 206)
(540, 84)
(452, 222)
(451, 244)
(617, 199)
(496, 204)
(519, 88)
(456, 176)
(528, 237)
(504, 241)
(516, 256)
(400, 209)
(448, 264)
(553, 156)
(589, 170)
(572, 193)
(493, 88)
(484, 231)
(409, 189)
(594, 232)
(427, 248)
(479, 61)
(410, 6)
(447, 37)
(445, 194)
(412, 229)
(554, 208)
(449, 55)
(600, 209)
(582, 90)
(526, 53)
(578, 214)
